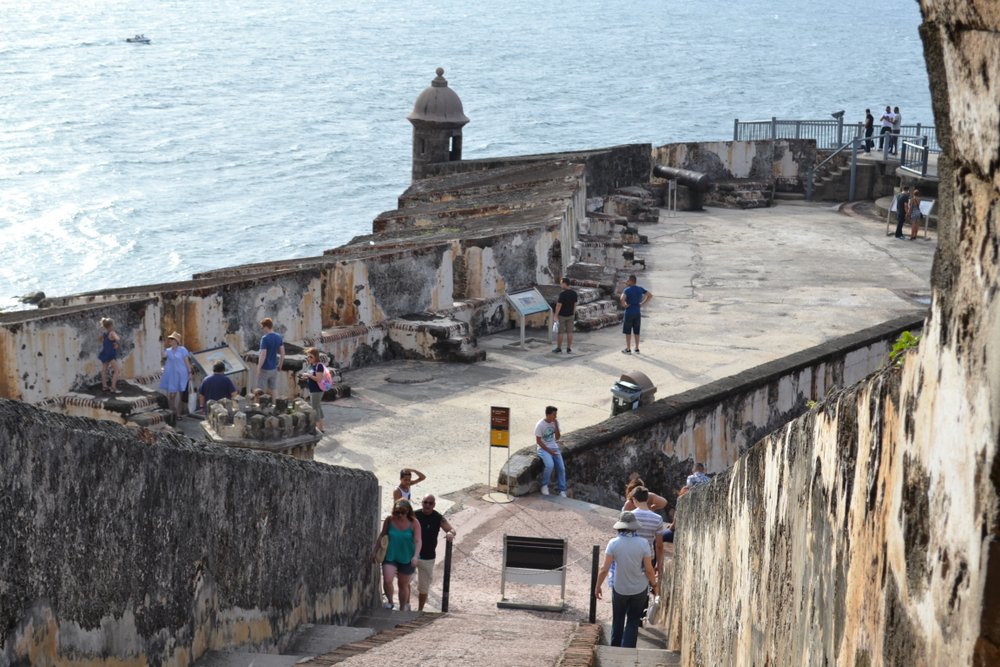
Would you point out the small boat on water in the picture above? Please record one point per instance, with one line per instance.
(137, 39)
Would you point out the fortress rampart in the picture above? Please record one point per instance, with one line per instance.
(715, 423)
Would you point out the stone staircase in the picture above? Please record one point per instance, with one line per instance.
(137, 404)
(647, 652)
(742, 194)
(609, 656)
(328, 644)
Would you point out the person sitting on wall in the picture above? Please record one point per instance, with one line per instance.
(216, 386)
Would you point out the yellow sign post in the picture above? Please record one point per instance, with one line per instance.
(499, 437)
(499, 427)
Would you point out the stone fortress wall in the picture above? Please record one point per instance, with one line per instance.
(867, 532)
(128, 548)
(714, 424)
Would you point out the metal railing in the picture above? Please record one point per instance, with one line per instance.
(913, 158)
(828, 134)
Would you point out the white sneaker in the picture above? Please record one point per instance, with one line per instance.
(545, 490)
(387, 605)
(562, 493)
(405, 607)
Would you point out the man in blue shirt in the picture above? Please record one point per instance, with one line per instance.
(271, 357)
(216, 386)
(632, 298)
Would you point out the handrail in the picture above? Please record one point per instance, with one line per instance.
(812, 170)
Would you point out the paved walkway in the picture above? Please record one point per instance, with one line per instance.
(732, 290)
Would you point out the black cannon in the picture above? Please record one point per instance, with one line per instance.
(696, 182)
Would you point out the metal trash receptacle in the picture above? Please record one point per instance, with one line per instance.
(632, 391)
(625, 397)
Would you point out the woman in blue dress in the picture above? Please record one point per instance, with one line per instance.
(108, 356)
(176, 372)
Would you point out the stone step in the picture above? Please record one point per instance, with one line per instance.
(610, 656)
(789, 196)
(236, 659)
(384, 619)
(597, 309)
(319, 639)
(599, 322)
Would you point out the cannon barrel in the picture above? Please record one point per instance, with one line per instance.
(695, 180)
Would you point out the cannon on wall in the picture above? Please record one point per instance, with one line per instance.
(696, 182)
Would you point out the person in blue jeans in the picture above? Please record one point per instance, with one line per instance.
(547, 438)
(634, 574)
(633, 298)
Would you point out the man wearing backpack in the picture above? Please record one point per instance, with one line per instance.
(320, 380)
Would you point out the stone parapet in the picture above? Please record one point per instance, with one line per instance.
(713, 424)
(122, 546)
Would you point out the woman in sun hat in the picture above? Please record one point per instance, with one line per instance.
(633, 576)
(176, 372)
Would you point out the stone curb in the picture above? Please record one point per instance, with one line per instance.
(346, 651)
(580, 651)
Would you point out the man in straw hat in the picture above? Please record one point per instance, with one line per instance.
(633, 576)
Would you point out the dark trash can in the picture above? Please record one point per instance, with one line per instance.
(632, 391)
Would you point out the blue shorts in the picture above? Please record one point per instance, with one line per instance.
(630, 325)
(402, 568)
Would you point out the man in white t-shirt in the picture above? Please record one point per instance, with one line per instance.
(547, 438)
(886, 121)
(897, 126)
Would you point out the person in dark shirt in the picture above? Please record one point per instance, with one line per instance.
(216, 386)
(869, 130)
(431, 522)
(565, 309)
(902, 199)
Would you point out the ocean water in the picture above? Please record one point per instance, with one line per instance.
(259, 129)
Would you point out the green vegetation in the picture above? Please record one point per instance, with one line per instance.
(904, 344)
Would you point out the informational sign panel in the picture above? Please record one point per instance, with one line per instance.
(499, 427)
(528, 302)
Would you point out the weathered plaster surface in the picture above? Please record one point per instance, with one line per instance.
(52, 352)
(123, 547)
(785, 160)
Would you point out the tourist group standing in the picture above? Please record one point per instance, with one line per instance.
(177, 375)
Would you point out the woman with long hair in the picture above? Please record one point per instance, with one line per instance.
(400, 560)
(314, 374)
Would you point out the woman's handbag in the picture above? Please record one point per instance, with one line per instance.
(383, 546)
(192, 398)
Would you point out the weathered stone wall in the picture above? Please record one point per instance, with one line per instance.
(49, 353)
(868, 532)
(606, 168)
(714, 423)
(121, 547)
(785, 161)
